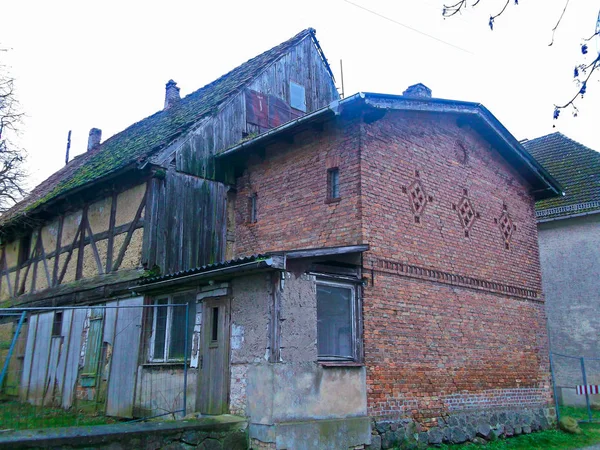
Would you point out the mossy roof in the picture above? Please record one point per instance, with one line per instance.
(575, 166)
(141, 140)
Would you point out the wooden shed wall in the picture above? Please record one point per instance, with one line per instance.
(187, 223)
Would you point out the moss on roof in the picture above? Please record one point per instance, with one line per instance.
(574, 165)
(144, 138)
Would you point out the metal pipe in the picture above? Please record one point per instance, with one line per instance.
(185, 356)
(554, 387)
(587, 396)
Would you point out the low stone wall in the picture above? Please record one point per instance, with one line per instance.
(214, 433)
(460, 427)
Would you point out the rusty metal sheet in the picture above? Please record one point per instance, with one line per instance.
(279, 112)
(257, 108)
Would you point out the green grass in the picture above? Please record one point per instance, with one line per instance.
(19, 416)
(545, 440)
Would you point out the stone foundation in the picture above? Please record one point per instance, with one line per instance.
(215, 433)
(460, 427)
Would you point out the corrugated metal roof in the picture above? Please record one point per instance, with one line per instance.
(209, 267)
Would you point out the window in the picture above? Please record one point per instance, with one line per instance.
(333, 183)
(169, 327)
(24, 249)
(57, 324)
(297, 96)
(253, 208)
(336, 322)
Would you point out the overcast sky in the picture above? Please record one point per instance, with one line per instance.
(83, 64)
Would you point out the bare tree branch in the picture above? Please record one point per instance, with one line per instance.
(582, 70)
(558, 23)
(12, 158)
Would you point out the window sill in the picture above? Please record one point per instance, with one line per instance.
(164, 364)
(341, 364)
(329, 201)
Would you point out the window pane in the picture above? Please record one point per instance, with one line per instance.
(161, 328)
(215, 324)
(334, 321)
(297, 96)
(179, 327)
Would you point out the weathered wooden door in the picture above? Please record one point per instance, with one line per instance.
(213, 382)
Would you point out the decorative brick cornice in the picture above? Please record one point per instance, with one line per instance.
(412, 271)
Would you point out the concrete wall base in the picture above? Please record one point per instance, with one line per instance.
(476, 426)
(335, 434)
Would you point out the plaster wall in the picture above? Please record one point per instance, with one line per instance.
(571, 281)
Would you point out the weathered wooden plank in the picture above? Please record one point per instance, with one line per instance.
(51, 388)
(41, 354)
(121, 385)
(73, 355)
(28, 359)
(62, 361)
(108, 336)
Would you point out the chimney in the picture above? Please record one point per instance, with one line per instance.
(94, 138)
(171, 94)
(418, 90)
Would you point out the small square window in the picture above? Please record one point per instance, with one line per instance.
(297, 96)
(253, 208)
(336, 321)
(57, 324)
(333, 183)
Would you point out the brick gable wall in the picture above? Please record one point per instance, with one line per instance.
(452, 322)
(291, 185)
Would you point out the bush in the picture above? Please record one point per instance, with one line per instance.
(569, 425)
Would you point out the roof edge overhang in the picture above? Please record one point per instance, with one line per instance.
(476, 115)
(23, 218)
(243, 266)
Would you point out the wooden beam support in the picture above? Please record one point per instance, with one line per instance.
(138, 214)
(111, 232)
(94, 248)
(83, 227)
(61, 221)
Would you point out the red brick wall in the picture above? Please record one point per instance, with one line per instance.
(291, 185)
(452, 321)
(439, 336)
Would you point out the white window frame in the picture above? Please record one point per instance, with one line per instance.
(169, 306)
(353, 288)
(294, 85)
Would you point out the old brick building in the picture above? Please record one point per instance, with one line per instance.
(360, 272)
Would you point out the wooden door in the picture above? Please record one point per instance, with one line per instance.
(213, 382)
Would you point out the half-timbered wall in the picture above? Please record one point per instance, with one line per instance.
(302, 65)
(102, 237)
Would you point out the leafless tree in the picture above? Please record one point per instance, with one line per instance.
(12, 158)
(582, 71)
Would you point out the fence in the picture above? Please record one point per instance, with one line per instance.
(576, 384)
(120, 361)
